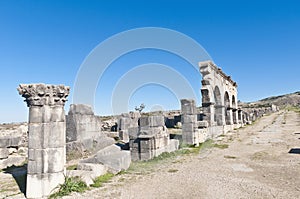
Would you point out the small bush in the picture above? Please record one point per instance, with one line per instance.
(102, 179)
(72, 184)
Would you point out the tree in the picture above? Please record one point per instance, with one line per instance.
(139, 109)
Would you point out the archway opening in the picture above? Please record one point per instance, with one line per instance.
(235, 112)
(218, 116)
(227, 109)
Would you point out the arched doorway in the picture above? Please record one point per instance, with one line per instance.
(218, 116)
(227, 108)
(235, 112)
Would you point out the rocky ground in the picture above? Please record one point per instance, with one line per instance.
(262, 161)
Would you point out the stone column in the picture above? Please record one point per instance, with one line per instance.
(189, 122)
(47, 137)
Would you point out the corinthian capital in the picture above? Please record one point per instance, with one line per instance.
(44, 94)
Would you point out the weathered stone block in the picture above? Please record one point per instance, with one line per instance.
(12, 160)
(116, 162)
(42, 185)
(189, 119)
(202, 124)
(189, 127)
(39, 114)
(152, 121)
(49, 160)
(123, 135)
(46, 135)
(188, 106)
(10, 141)
(82, 109)
(4, 153)
(108, 150)
(152, 131)
(133, 132)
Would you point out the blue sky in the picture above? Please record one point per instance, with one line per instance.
(257, 43)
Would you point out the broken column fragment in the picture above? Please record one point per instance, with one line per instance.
(46, 140)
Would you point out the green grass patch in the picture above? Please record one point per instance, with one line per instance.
(221, 146)
(72, 167)
(172, 170)
(71, 184)
(229, 157)
(293, 108)
(102, 179)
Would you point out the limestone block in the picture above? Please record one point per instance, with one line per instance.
(42, 185)
(39, 114)
(10, 141)
(49, 160)
(123, 135)
(124, 123)
(135, 155)
(146, 145)
(146, 156)
(152, 121)
(146, 130)
(188, 137)
(202, 124)
(108, 150)
(57, 114)
(189, 127)
(12, 160)
(80, 109)
(134, 144)
(12, 150)
(85, 176)
(116, 162)
(96, 169)
(45, 135)
(189, 119)
(4, 153)
(188, 106)
(133, 132)
(173, 145)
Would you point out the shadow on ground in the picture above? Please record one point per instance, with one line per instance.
(19, 173)
(295, 151)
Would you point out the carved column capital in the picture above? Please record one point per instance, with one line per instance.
(44, 94)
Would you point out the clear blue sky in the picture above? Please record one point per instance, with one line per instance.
(257, 43)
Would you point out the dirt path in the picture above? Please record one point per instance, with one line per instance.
(257, 164)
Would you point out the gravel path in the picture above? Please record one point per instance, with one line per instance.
(257, 164)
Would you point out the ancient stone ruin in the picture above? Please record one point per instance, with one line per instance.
(46, 139)
(83, 133)
(150, 139)
(52, 135)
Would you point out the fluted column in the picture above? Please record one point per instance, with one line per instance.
(46, 140)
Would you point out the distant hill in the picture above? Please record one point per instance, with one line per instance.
(292, 99)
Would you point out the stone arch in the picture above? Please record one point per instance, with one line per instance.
(218, 116)
(227, 108)
(234, 112)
